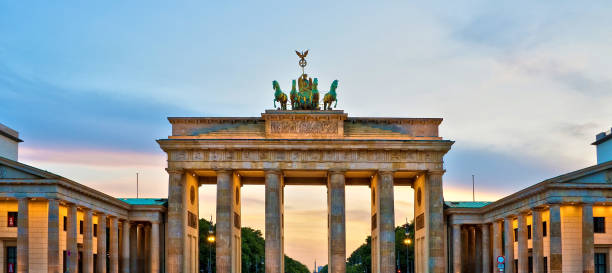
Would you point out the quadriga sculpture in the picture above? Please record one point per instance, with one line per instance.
(330, 96)
(279, 96)
(293, 95)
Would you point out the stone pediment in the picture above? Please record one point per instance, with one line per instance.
(305, 124)
(10, 169)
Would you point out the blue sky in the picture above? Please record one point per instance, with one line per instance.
(523, 86)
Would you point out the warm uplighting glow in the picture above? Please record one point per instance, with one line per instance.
(210, 238)
(407, 241)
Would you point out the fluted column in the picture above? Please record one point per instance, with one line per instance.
(523, 252)
(87, 241)
(555, 257)
(114, 245)
(486, 257)
(134, 248)
(588, 240)
(386, 221)
(456, 248)
(101, 257)
(177, 221)
(497, 242)
(274, 222)
(537, 241)
(141, 248)
(154, 251)
(147, 248)
(471, 248)
(337, 222)
(71, 238)
(509, 243)
(125, 247)
(434, 223)
(53, 239)
(23, 235)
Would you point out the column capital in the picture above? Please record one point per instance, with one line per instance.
(336, 171)
(223, 170)
(457, 225)
(510, 217)
(386, 172)
(273, 171)
(175, 170)
(440, 172)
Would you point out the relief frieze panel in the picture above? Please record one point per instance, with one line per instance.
(305, 156)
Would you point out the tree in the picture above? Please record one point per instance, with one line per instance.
(253, 251)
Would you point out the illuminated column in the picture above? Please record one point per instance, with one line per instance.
(101, 257)
(154, 250)
(125, 247)
(555, 257)
(523, 251)
(537, 241)
(274, 222)
(87, 241)
(134, 248)
(53, 241)
(71, 238)
(486, 246)
(497, 241)
(509, 243)
(114, 245)
(23, 234)
(337, 222)
(456, 248)
(588, 240)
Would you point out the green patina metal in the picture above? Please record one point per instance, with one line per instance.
(330, 96)
(279, 96)
(306, 96)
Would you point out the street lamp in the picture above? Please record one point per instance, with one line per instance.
(407, 242)
(211, 240)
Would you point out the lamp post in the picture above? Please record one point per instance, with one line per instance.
(211, 240)
(407, 242)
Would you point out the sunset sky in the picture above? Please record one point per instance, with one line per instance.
(523, 87)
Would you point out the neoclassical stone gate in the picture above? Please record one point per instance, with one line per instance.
(304, 148)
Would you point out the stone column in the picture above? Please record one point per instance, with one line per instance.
(555, 258)
(134, 248)
(71, 238)
(114, 245)
(337, 222)
(486, 257)
(23, 235)
(465, 249)
(434, 223)
(386, 221)
(125, 247)
(588, 240)
(456, 248)
(177, 220)
(274, 222)
(147, 248)
(53, 237)
(154, 259)
(537, 241)
(87, 241)
(141, 249)
(471, 248)
(509, 244)
(523, 250)
(497, 242)
(101, 258)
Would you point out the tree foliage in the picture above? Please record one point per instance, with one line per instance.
(360, 260)
(253, 251)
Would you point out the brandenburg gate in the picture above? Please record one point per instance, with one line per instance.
(304, 146)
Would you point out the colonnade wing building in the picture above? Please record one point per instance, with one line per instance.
(52, 224)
